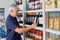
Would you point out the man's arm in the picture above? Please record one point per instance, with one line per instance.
(22, 30)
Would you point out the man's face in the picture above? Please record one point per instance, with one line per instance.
(15, 12)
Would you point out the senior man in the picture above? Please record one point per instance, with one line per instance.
(13, 29)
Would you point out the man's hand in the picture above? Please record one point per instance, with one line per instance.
(22, 30)
(33, 25)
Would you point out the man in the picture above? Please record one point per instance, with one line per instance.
(13, 29)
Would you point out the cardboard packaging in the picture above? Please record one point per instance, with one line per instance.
(51, 23)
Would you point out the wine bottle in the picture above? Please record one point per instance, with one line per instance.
(56, 4)
(36, 19)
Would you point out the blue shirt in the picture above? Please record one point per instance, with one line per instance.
(11, 25)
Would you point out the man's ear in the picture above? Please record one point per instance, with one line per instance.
(11, 10)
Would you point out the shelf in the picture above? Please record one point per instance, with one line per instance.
(2, 17)
(31, 11)
(34, 10)
(39, 25)
(53, 31)
(1, 23)
(56, 9)
(38, 28)
(3, 39)
(34, 15)
(21, 24)
(21, 11)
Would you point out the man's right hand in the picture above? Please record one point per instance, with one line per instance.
(33, 25)
(22, 30)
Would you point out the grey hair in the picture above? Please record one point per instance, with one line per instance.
(12, 7)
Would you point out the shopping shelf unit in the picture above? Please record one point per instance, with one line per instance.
(2, 24)
(49, 14)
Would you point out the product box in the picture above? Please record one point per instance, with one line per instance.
(58, 3)
(51, 23)
(31, 5)
(38, 4)
(57, 23)
(20, 7)
(49, 4)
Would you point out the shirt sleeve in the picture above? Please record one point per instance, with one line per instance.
(11, 25)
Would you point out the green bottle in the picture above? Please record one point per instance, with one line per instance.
(56, 4)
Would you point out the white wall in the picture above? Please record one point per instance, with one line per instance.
(5, 4)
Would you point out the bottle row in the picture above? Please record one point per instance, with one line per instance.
(31, 16)
(51, 36)
(20, 17)
(34, 14)
(33, 4)
(34, 34)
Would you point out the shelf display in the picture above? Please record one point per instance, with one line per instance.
(54, 20)
(34, 34)
(3, 33)
(20, 17)
(51, 36)
(33, 4)
(48, 19)
(30, 17)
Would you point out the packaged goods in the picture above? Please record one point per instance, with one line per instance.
(56, 4)
(51, 23)
(49, 4)
(57, 23)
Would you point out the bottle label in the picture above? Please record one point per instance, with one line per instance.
(36, 36)
(40, 37)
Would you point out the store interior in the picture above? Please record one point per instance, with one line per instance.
(47, 13)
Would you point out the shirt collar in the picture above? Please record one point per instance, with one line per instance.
(12, 16)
